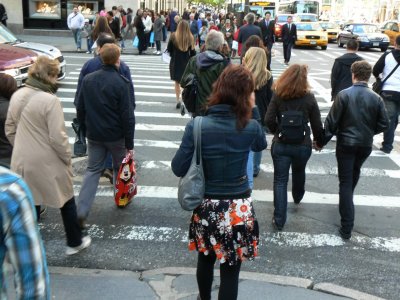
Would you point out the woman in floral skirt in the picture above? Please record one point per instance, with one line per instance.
(224, 227)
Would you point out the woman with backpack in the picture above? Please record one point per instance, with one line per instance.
(292, 107)
(181, 48)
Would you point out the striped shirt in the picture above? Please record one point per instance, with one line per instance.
(20, 239)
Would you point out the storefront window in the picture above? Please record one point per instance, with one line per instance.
(87, 8)
(45, 9)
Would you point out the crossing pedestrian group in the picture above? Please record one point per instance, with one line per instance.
(233, 105)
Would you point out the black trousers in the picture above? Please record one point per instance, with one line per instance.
(70, 220)
(287, 50)
(228, 289)
(269, 45)
(349, 160)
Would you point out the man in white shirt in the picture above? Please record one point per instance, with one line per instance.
(76, 21)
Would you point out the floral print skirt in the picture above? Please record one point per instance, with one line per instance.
(229, 228)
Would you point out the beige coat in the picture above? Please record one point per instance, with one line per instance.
(41, 155)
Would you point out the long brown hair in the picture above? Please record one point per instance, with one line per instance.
(183, 38)
(101, 27)
(234, 87)
(292, 84)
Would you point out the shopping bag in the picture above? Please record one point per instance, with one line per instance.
(135, 42)
(152, 37)
(235, 45)
(165, 57)
(125, 183)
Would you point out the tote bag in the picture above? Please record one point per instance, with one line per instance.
(135, 42)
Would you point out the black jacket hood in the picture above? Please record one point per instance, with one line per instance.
(348, 58)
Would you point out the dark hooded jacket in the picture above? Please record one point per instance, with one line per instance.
(341, 72)
(207, 66)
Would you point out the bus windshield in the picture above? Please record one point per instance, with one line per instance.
(299, 7)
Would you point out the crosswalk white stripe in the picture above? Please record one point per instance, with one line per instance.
(268, 168)
(153, 103)
(148, 127)
(161, 95)
(327, 54)
(145, 114)
(166, 192)
(165, 234)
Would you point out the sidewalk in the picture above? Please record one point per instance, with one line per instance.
(180, 283)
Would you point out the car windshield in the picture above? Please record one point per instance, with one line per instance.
(365, 28)
(308, 27)
(6, 36)
(328, 25)
(306, 18)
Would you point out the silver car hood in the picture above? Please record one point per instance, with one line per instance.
(41, 49)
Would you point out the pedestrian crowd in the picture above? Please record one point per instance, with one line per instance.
(232, 106)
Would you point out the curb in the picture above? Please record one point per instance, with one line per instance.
(289, 281)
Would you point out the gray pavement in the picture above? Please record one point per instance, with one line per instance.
(180, 283)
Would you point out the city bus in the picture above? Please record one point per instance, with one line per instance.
(258, 7)
(300, 7)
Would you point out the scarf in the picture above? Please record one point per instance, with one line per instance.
(45, 87)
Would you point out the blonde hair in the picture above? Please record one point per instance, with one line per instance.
(255, 60)
(45, 69)
(183, 38)
(110, 54)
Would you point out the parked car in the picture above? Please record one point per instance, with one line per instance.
(7, 37)
(368, 36)
(331, 29)
(391, 29)
(16, 61)
(280, 20)
(311, 34)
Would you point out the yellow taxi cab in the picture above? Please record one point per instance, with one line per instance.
(331, 29)
(311, 34)
(391, 29)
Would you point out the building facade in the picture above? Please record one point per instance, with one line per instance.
(52, 14)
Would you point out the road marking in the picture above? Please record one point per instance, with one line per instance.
(166, 192)
(166, 234)
(328, 55)
(268, 168)
(148, 127)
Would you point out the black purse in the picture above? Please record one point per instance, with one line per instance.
(189, 94)
(80, 146)
(378, 84)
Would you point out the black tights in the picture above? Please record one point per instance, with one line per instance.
(228, 289)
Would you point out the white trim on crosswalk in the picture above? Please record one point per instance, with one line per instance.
(166, 192)
(164, 234)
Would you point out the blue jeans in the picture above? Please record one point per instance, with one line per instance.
(250, 169)
(97, 154)
(89, 45)
(77, 37)
(349, 160)
(392, 103)
(285, 156)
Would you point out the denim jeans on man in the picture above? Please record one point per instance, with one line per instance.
(77, 37)
(392, 104)
(97, 154)
(349, 159)
(285, 156)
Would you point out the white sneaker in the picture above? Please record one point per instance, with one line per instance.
(158, 52)
(86, 241)
(154, 52)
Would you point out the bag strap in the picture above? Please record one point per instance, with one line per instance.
(197, 139)
(394, 70)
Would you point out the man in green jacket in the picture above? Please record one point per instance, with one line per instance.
(207, 66)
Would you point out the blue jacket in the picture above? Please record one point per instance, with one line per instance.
(225, 151)
(105, 109)
(96, 64)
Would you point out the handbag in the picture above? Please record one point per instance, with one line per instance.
(378, 84)
(235, 45)
(191, 187)
(126, 181)
(165, 57)
(80, 146)
(135, 42)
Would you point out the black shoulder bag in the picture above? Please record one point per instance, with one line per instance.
(378, 84)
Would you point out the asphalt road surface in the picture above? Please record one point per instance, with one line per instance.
(152, 231)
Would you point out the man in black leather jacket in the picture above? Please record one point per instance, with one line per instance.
(357, 114)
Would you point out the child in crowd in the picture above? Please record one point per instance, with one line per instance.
(87, 33)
